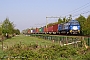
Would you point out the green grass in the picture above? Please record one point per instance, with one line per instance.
(25, 40)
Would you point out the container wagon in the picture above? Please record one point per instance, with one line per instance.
(53, 29)
(45, 30)
(33, 31)
(37, 30)
(40, 30)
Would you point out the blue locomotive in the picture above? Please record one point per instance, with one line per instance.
(71, 27)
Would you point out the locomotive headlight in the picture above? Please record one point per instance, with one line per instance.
(75, 27)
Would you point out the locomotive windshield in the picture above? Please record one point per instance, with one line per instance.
(74, 22)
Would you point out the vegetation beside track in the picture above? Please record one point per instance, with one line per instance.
(26, 47)
(25, 40)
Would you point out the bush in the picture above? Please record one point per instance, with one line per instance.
(54, 52)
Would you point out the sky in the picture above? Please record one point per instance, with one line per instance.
(32, 13)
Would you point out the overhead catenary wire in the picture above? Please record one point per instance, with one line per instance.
(78, 9)
(73, 11)
(82, 9)
(81, 13)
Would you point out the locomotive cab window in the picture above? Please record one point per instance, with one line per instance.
(74, 23)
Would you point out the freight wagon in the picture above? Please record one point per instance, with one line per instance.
(53, 29)
(45, 30)
(33, 31)
(37, 30)
(40, 30)
(28, 32)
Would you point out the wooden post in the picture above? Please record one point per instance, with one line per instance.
(45, 46)
(85, 43)
(53, 41)
(8, 58)
(61, 43)
(66, 41)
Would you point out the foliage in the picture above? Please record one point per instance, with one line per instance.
(82, 21)
(50, 24)
(7, 27)
(16, 31)
(86, 56)
(36, 49)
(53, 52)
(87, 24)
(64, 20)
(60, 21)
(70, 17)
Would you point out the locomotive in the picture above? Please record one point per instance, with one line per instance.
(71, 27)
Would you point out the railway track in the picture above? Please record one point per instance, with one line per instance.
(63, 35)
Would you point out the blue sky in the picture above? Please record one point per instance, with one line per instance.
(32, 13)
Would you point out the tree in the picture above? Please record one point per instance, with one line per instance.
(50, 24)
(70, 17)
(87, 25)
(82, 21)
(60, 21)
(7, 27)
(17, 31)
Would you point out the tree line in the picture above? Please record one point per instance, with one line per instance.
(85, 24)
(8, 28)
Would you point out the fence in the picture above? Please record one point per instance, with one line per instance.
(64, 39)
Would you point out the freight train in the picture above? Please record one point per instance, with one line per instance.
(71, 27)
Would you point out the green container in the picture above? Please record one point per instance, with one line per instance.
(40, 30)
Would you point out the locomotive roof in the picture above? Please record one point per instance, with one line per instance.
(73, 21)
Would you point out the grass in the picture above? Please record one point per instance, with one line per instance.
(25, 40)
